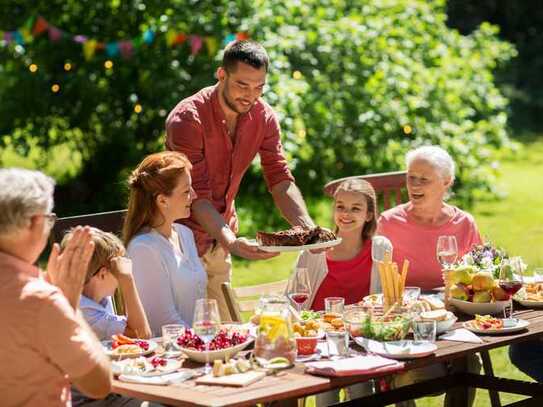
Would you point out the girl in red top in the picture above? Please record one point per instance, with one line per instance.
(347, 270)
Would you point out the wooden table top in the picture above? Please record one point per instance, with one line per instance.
(294, 383)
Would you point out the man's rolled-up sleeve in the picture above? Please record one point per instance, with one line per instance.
(186, 135)
(272, 157)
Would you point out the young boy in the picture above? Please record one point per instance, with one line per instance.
(107, 270)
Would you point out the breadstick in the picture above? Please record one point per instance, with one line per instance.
(404, 272)
(396, 282)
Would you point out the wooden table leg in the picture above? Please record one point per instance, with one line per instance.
(487, 368)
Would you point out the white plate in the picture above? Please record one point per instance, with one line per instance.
(322, 245)
(113, 354)
(519, 326)
(481, 308)
(528, 303)
(132, 367)
(309, 358)
(399, 350)
(203, 356)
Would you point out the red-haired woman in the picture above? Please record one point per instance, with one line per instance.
(168, 272)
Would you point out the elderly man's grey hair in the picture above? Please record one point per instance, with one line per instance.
(23, 193)
(436, 156)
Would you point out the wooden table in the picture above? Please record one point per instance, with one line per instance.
(294, 383)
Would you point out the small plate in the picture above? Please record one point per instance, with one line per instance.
(322, 245)
(399, 350)
(518, 326)
(529, 304)
(113, 354)
(275, 366)
(133, 367)
(309, 358)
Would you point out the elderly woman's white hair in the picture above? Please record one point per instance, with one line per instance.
(436, 156)
(23, 193)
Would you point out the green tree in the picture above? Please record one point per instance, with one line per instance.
(355, 83)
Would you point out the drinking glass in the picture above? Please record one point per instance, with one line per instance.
(510, 281)
(170, 333)
(424, 331)
(338, 344)
(334, 305)
(300, 288)
(206, 323)
(447, 252)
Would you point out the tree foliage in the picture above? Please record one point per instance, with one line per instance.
(355, 83)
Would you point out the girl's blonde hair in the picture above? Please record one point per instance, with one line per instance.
(157, 174)
(363, 187)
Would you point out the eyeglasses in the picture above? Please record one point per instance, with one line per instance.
(50, 218)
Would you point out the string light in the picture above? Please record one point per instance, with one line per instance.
(55, 88)
(67, 66)
(108, 64)
(407, 129)
(33, 68)
(297, 75)
(138, 108)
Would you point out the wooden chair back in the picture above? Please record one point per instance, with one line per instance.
(245, 299)
(389, 187)
(108, 222)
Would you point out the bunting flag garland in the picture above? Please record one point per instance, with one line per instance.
(38, 26)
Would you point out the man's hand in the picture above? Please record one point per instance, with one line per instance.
(121, 267)
(242, 247)
(67, 270)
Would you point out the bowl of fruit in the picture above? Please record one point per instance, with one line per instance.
(473, 291)
(226, 344)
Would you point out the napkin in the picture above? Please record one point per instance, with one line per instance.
(461, 335)
(171, 378)
(352, 366)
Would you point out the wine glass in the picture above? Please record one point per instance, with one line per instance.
(446, 251)
(300, 288)
(206, 323)
(510, 281)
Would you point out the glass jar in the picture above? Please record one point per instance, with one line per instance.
(275, 336)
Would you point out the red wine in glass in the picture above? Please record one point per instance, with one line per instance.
(299, 298)
(510, 287)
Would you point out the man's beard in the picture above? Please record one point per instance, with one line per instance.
(230, 103)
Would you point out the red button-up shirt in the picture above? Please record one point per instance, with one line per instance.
(197, 128)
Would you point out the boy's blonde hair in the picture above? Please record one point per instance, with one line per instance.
(106, 246)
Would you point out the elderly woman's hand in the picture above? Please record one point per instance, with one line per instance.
(67, 270)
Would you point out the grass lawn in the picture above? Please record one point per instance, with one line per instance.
(514, 223)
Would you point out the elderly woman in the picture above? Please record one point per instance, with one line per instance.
(45, 342)
(413, 228)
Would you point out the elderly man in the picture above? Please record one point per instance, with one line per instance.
(45, 341)
(221, 129)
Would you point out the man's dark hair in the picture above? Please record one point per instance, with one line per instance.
(246, 51)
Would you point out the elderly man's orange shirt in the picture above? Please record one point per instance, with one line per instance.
(197, 128)
(42, 341)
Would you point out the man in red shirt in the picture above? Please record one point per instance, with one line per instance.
(221, 129)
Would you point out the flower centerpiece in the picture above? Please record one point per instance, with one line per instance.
(486, 257)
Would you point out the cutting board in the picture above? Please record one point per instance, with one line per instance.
(236, 380)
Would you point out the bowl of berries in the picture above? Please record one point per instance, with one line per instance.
(226, 344)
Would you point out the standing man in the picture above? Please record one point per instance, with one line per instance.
(221, 129)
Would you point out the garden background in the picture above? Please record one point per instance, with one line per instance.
(85, 87)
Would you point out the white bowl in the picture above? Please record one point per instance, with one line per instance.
(212, 355)
(445, 325)
(481, 308)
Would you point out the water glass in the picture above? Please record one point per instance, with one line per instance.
(338, 343)
(169, 335)
(334, 305)
(410, 294)
(424, 331)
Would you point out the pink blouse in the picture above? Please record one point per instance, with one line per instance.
(417, 243)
